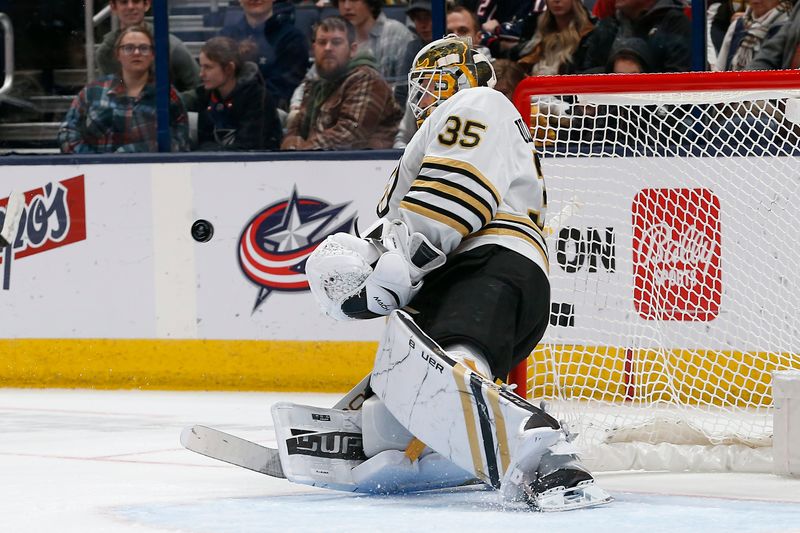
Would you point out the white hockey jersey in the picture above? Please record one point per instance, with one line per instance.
(470, 177)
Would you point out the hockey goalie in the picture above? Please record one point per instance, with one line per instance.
(458, 263)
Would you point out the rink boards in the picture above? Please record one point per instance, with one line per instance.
(105, 285)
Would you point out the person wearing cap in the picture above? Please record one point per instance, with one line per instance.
(419, 11)
(630, 56)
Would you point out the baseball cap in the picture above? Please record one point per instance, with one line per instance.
(416, 5)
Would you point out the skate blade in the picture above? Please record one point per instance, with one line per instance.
(585, 494)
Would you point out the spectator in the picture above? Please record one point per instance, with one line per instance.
(782, 51)
(384, 37)
(761, 20)
(280, 51)
(719, 15)
(662, 24)
(630, 56)
(505, 24)
(183, 69)
(350, 106)
(560, 41)
(118, 113)
(419, 11)
(235, 111)
(509, 74)
(465, 23)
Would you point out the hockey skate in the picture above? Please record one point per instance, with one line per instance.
(553, 481)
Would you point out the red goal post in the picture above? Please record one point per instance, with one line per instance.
(671, 212)
(687, 82)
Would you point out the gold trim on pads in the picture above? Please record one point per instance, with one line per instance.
(312, 366)
(459, 371)
(414, 449)
(500, 425)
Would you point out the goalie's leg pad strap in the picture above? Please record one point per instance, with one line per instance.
(458, 413)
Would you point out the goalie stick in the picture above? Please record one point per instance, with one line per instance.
(232, 449)
(8, 232)
(14, 207)
(251, 455)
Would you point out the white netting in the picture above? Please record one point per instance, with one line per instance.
(674, 263)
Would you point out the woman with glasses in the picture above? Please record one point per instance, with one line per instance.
(118, 113)
(235, 110)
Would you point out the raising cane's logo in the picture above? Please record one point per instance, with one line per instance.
(54, 215)
(277, 241)
(676, 254)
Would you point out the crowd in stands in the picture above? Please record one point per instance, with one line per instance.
(263, 85)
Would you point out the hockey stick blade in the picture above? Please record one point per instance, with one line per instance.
(16, 203)
(231, 449)
(247, 454)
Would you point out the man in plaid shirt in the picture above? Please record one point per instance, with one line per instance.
(350, 106)
(102, 118)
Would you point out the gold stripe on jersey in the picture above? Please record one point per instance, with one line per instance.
(522, 223)
(461, 377)
(455, 193)
(430, 211)
(388, 191)
(500, 424)
(525, 221)
(494, 228)
(463, 168)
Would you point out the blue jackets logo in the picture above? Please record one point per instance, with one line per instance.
(277, 241)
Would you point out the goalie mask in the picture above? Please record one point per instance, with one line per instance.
(441, 69)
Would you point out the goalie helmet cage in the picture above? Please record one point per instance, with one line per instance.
(672, 219)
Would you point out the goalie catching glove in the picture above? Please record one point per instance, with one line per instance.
(354, 278)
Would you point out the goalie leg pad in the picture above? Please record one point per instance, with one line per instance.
(318, 446)
(323, 448)
(476, 424)
(498, 436)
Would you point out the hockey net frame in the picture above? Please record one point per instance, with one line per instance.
(650, 383)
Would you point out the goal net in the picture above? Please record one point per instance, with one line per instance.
(675, 265)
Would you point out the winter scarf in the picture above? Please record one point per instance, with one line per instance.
(756, 30)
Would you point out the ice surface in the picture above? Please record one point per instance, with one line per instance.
(92, 461)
